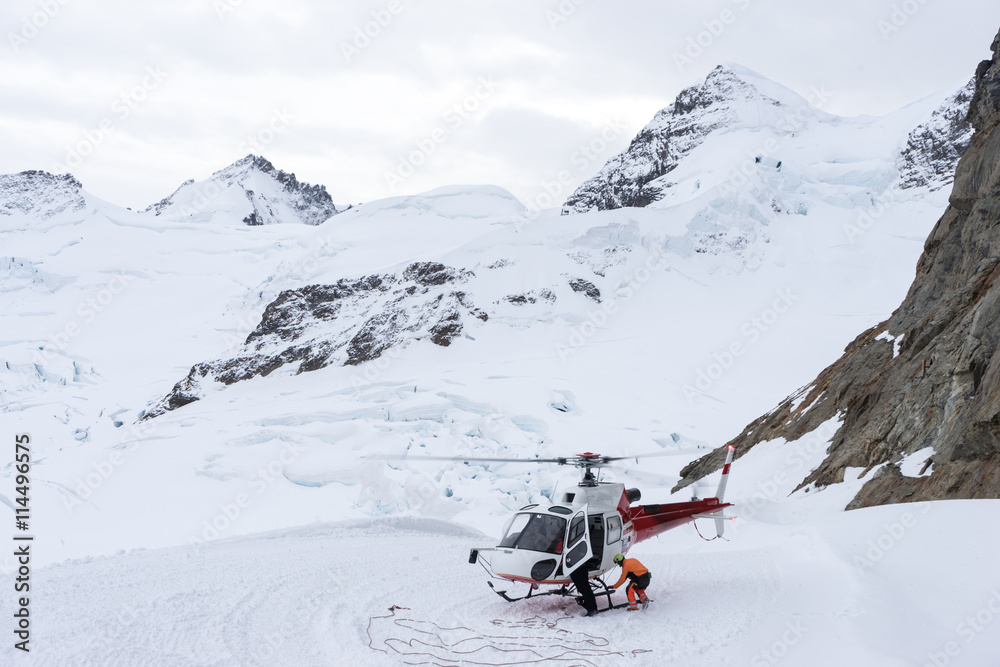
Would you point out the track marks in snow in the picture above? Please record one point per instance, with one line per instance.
(535, 640)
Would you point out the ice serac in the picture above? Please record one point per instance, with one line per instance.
(730, 97)
(39, 194)
(929, 376)
(347, 323)
(252, 189)
(933, 149)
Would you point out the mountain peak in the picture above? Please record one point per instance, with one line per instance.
(247, 164)
(255, 190)
(40, 194)
(731, 96)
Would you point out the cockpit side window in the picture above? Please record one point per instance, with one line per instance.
(535, 532)
(614, 529)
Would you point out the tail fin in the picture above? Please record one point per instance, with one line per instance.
(720, 523)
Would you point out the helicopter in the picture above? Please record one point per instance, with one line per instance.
(544, 543)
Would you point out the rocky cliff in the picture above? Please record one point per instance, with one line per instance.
(933, 148)
(925, 382)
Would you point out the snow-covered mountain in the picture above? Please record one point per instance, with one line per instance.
(211, 398)
(39, 195)
(730, 97)
(740, 116)
(252, 190)
(919, 393)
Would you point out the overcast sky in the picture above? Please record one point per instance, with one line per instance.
(387, 97)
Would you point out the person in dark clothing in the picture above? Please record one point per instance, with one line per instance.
(582, 583)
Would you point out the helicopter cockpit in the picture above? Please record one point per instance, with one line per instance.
(536, 531)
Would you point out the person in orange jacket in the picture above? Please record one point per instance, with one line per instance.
(638, 576)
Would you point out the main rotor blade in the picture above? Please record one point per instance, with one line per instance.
(467, 459)
(647, 455)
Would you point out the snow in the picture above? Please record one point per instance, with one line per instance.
(254, 526)
(895, 340)
(852, 589)
(913, 464)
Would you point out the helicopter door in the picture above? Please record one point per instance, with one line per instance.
(578, 550)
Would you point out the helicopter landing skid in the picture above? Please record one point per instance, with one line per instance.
(601, 590)
(531, 593)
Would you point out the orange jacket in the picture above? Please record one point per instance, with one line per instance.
(630, 566)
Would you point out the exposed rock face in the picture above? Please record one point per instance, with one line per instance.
(347, 323)
(264, 195)
(933, 149)
(40, 194)
(626, 179)
(927, 376)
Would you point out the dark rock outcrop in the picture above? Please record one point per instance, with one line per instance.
(347, 323)
(586, 287)
(40, 194)
(929, 376)
(934, 148)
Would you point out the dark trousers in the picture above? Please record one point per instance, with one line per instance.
(582, 583)
(639, 583)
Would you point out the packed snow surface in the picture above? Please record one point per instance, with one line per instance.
(255, 525)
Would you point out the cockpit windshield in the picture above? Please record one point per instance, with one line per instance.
(536, 532)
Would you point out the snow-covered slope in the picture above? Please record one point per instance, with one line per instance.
(798, 584)
(250, 190)
(664, 328)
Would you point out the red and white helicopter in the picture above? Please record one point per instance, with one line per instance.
(544, 543)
